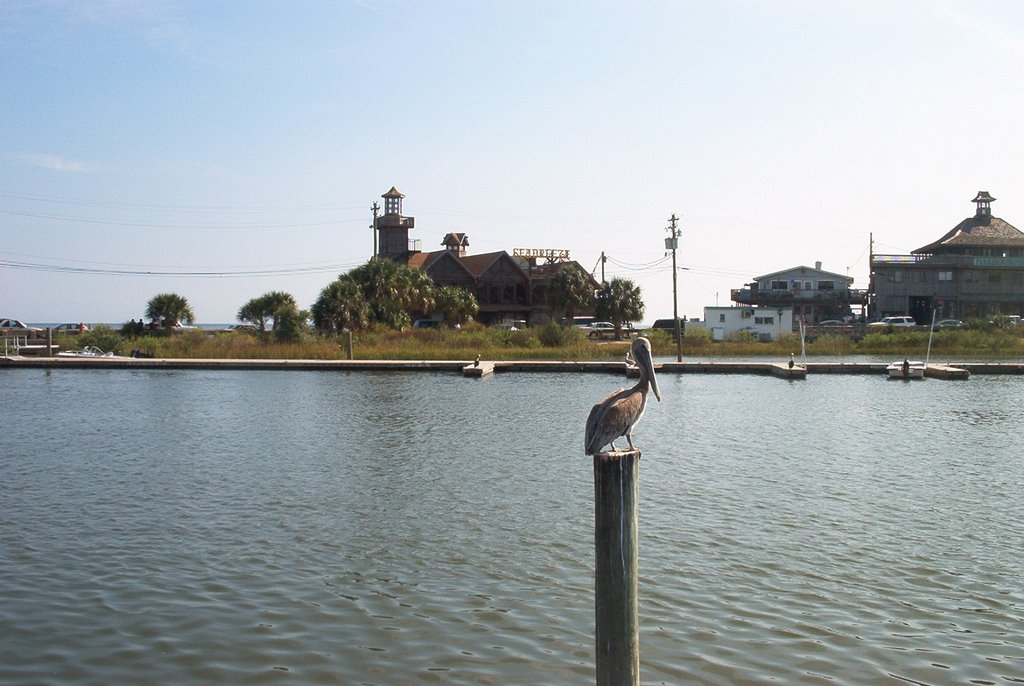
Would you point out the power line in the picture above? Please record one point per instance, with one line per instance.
(69, 269)
(181, 208)
(158, 225)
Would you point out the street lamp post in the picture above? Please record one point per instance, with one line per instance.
(672, 243)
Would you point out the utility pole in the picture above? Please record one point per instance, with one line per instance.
(375, 208)
(672, 243)
(603, 260)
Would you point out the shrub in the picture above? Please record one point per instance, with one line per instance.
(554, 335)
(101, 336)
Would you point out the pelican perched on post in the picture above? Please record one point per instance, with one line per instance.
(616, 415)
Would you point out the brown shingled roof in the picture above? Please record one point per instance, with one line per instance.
(977, 231)
(478, 264)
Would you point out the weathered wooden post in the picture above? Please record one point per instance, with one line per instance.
(616, 507)
(49, 341)
(616, 601)
(348, 345)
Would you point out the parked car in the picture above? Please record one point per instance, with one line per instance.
(831, 322)
(668, 324)
(426, 324)
(241, 328)
(1006, 320)
(14, 327)
(601, 330)
(73, 329)
(598, 330)
(893, 321)
(949, 324)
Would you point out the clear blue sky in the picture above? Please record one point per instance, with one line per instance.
(249, 139)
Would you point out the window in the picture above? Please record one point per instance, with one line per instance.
(746, 314)
(897, 275)
(920, 276)
(826, 285)
(764, 320)
(721, 317)
(945, 276)
(780, 285)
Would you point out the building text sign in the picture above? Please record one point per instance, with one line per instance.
(549, 253)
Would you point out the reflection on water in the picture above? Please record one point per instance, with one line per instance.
(236, 527)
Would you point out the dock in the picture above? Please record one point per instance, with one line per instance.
(478, 369)
(486, 368)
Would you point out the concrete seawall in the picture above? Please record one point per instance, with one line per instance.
(488, 368)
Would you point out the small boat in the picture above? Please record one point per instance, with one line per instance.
(906, 369)
(87, 351)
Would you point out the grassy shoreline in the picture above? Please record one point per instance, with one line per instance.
(542, 344)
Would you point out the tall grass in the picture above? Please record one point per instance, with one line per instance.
(545, 343)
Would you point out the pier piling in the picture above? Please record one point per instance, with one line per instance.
(616, 506)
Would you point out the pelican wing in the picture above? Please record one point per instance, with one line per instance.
(612, 418)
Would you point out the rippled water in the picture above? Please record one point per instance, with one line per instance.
(260, 527)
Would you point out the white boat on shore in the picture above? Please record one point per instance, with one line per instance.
(87, 351)
(906, 369)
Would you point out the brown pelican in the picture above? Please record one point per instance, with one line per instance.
(616, 415)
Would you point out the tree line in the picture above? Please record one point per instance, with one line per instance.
(385, 293)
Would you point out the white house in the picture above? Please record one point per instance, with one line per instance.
(766, 323)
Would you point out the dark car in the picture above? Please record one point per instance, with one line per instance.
(669, 325)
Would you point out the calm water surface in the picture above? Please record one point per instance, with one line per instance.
(170, 527)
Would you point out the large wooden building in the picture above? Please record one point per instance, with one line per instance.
(813, 294)
(508, 288)
(975, 270)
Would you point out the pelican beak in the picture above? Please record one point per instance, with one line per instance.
(654, 384)
(642, 356)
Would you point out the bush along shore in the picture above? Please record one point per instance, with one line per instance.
(549, 342)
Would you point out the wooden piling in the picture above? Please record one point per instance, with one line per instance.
(616, 500)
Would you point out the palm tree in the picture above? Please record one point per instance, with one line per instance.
(170, 308)
(571, 290)
(255, 312)
(455, 303)
(620, 301)
(341, 305)
(417, 291)
(394, 291)
(274, 306)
